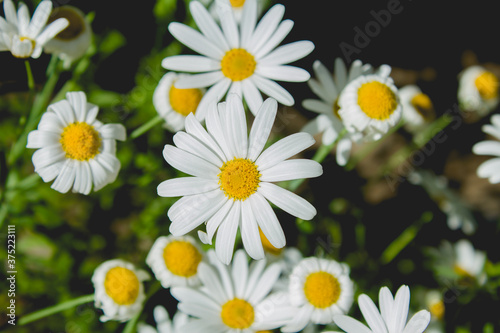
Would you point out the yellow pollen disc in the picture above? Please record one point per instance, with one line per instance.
(487, 85)
(181, 258)
(437, 309)
(266, 244)
(462, 272)
(336, 108)
(322, 289)
(76, 23)
(237, 3)
(122, 285)
(184, 101)
(238, 64)
(423, 104)
(377, 100)
(237, 313)
(239, 178)
(80, 141)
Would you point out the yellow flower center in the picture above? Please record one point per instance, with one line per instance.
(238, 64)
(322, 289)
(80, 141)
(336, 108)
(76, 23)
(423, 104)
(182, 258)
(237, 3)
(266, 244)
(239, 178)
(237, 313)
(437, 309)
(377, 100)
(184, 101)
(487, 85)
(122, 285)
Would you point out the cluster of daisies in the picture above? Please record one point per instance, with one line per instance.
(282, 291)
(230, 190)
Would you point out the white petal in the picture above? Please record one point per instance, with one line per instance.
(216, 130)
(195, 40)
(10, 12)
(266, 27)
(50, 122)
(371, 314)
(418, 323)
(283, 149)
(255, 271)
(250, 233)
(64, 111)
(177, 187)
(488, 147)
(343, 151)
(288, 53)
(267, 220)
(228, 24)
(300, 320)
(226, 234)
(266, 283)
(326, 80)
(251, 95)
(190, 63)
(400, 310)
(211, 280)
(66, 177)
(279, 35)
(261, 128)
(189, 163)
(350, 325)
(191, 145)
(283, 73)
(212, 96)
(78, 101)
(489, 168)
(237, 126)
(340, 73)
(194, 128)
(317, 106)
(113, 131)
(23, 19)
(199, 80)
(51, 31)
(248, 21)
(39, 19)
(206, 24)
(47, 155)
(272, 89)
(214, 222)
(288, 201)
(239, 271)
(40, 139)
(292, 169)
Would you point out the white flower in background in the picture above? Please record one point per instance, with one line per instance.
(119, 289)
(232, 178)
(478, 90)
(163, 323)
(491, 168)
(71, 43)
(458, 214)
(391, 318)
(328, 87)
(435, 305)
(234, 298)
(75, 148)
(236, 6)
(242, 59)
(417, 107)
(319, 289)
(174, 261)
(174, 104)
(469, 262)
(370, 105)
(23, 37)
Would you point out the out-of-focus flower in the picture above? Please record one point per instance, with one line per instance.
(478, 90)
(491, 168)
(418, 109)
(163, 323)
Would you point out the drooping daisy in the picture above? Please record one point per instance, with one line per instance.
(174, 104)
(71, 43)
(240, 59)
(491, 168)
(459, 215)
(119, 289)
(26, 38)
(328, 87)
(163, 323)
(370, 105)
(392, 315)
(319, 289)
(418, 109)
(75, 148)
(232, 178)
(478, 90)
(234, 298)
(174, 261)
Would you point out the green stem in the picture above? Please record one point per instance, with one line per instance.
(319, 157)
(132, 323)
(55, 309)
(29, 73)
(146, 127)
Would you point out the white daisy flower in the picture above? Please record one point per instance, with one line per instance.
(71, 43)
(233, 299)
(328, 87)
(232, 178)
(469, 262)
(370, 105)
(119, 289)
(174, 261)
(477, 90)
(174, 104)
(319, 289)
(417, 107)
(75, 148)
(392, 315)
(23, 37)
(163, 323)
(236, 6)
(458, 213)
(435, 304)
(240, 59)
(491, 168)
